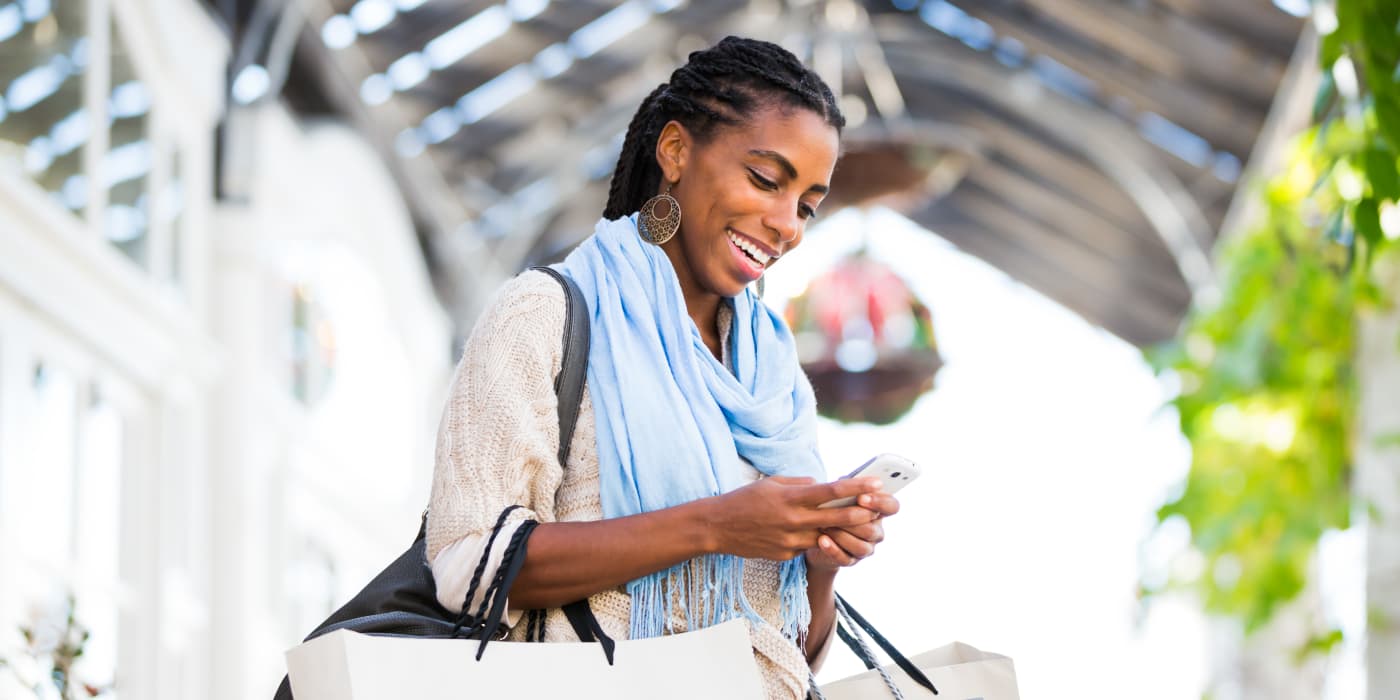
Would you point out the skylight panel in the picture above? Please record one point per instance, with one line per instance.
(408, 71)
(372, 15)
(460, 41)
(615, 24)
(495, 93)
(35, 85)
(10, 21)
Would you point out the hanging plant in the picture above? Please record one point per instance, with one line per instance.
(865, 341)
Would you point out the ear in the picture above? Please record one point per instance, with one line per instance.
(673, 150)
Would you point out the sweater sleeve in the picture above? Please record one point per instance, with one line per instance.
(454, 565)
(499, 435)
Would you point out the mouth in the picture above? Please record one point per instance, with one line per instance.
(753, 250)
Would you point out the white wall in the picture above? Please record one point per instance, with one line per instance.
(161, 466)
(312, 502)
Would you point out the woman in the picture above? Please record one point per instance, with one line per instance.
(661, 518)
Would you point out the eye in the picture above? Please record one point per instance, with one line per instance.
(806, 211)
(762, 181)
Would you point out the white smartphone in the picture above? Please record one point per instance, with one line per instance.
(895, 473)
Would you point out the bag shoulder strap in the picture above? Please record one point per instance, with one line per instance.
(568, 386)
(573, 369)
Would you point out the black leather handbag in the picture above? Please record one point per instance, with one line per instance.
(402, 599)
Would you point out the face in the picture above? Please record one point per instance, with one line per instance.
(746, 195)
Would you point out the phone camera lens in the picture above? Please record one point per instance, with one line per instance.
(894, 475)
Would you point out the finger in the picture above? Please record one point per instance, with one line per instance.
(851, 545)
(835, 552)
(873, 533)
(879, 502)
(817, 494)
(793, 480)
(843, 517)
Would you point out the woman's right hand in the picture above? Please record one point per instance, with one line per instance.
(777, 517)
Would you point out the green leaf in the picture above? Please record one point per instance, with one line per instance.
(1350, 20)
(1367, 219)
(1334, 231)
(1383, 173)
(1318, 644)
(1329, 50)
(1388, 118)
(1326, 95)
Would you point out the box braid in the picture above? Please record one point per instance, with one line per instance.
(719, 86)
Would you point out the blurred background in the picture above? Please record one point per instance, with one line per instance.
(1118, 273)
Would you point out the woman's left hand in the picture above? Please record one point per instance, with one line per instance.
(839, 547)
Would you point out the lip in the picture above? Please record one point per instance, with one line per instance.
(749, 268)
(767, 249)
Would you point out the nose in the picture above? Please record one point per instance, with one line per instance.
(783, 220)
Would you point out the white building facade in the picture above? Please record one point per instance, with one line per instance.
(216, 417)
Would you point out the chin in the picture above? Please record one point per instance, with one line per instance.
(729, 286)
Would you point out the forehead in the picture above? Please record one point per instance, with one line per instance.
(799, 135)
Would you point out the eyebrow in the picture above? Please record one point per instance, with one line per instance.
(787, 167)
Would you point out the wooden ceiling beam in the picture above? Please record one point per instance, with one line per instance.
(1063, 250)
(1032, 196)
(1101, 138)
(1267, 28)
(1119, 309)
(1061, 164)
(1227, 125)
(1178, 50)
(1087, 184)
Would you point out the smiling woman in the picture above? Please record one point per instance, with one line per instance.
(660, 518)
(748, 194)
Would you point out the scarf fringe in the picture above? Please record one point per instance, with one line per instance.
(709, 590)
(797, 608)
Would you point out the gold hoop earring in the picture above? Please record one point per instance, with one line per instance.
(659, 229)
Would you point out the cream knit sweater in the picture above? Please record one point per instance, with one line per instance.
(498, 446)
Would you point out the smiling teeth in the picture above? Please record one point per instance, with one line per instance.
(751, 249)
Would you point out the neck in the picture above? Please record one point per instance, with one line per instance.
(702, 305)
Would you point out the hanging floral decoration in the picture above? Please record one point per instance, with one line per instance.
(866, 342)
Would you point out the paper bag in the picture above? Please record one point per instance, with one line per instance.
(959, 671)
(716, 662)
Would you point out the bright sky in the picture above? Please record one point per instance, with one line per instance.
(1045, 449)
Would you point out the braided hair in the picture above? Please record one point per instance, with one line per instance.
(719, 86)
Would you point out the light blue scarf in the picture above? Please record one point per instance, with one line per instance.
(675, 425)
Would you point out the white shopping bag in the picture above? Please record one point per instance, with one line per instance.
(716, 662)
(959, 671)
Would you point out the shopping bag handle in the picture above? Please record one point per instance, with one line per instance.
(465, 618)
(497, 593)
(491, 611)
(898, 658)
(586, 626)
(579, 613)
